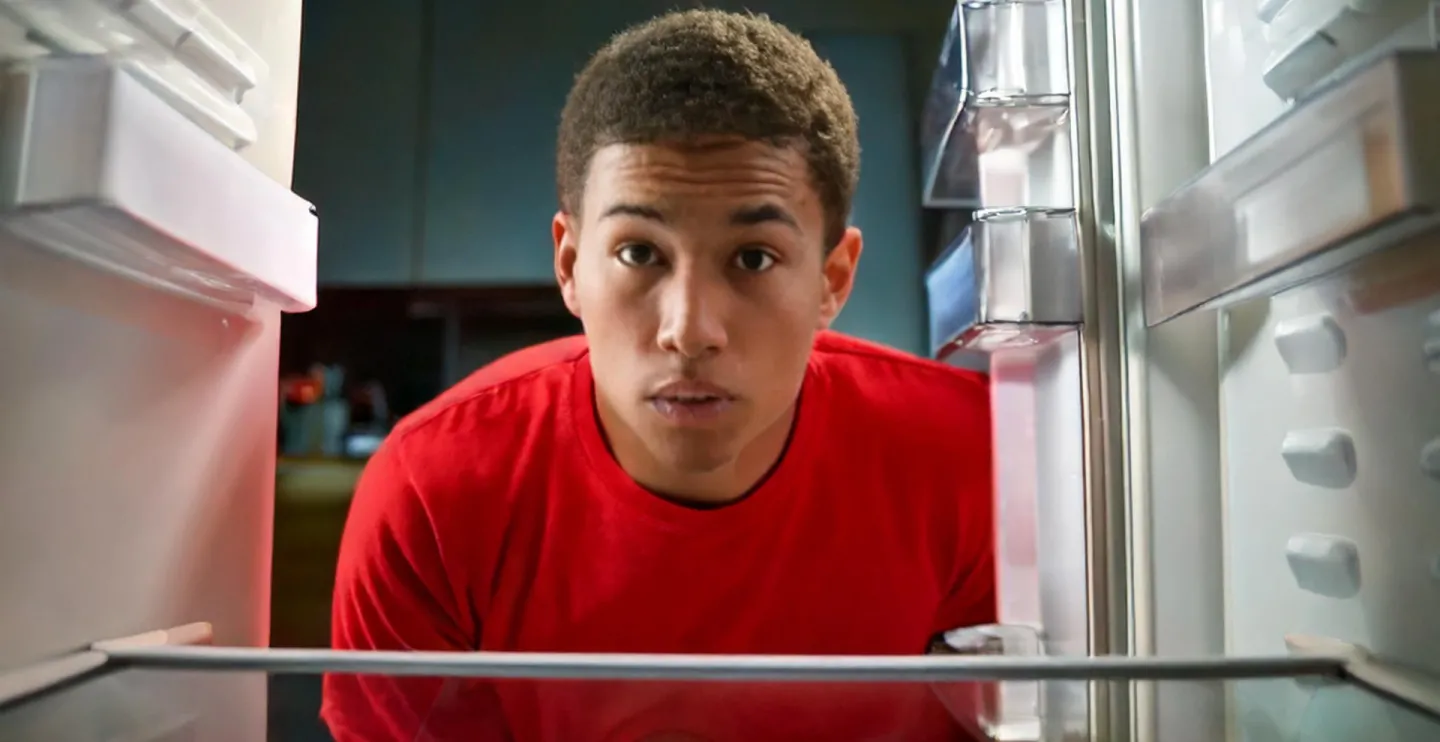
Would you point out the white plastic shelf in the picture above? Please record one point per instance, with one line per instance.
(1350, 172)
(96, 167)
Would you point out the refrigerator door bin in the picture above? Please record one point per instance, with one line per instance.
(1010, 279)
(1352, 171)
(96, 167)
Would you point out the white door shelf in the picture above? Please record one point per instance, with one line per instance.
(97, 167)
(1348, 172)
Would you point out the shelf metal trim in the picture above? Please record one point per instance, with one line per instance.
(929, 668)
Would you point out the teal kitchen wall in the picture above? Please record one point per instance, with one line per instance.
(426, 137)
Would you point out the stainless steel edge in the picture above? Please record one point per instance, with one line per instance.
(921, 668)
(1170, 406)
(1124, 381)
(1102, 339)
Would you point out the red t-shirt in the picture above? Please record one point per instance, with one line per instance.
(495, 518)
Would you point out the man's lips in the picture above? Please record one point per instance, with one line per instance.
(692, 391)
(691, 402)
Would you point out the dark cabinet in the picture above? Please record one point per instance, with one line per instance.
(493, 111)
(356, 140)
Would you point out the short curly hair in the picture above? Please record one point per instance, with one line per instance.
(701, 73)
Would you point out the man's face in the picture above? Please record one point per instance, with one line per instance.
(701, 277)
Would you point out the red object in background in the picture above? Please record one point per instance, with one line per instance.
(300, 390)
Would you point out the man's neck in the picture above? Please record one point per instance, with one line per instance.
(721, 486)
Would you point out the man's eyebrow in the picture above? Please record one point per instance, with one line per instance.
(762, 214)
(640, 210)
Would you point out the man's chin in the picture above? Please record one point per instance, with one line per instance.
(693, 451)
(696, 461)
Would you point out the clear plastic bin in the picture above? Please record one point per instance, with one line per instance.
(996, 127)
(1023, 154)
(1011, 278)
(949, 162)
(1016, 49)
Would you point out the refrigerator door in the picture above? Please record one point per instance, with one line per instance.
(1279, 281)
(1008, 296)
(144, 266)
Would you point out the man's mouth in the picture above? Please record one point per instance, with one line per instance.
(691, 398)
(691, 402)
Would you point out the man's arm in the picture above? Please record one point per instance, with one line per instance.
(393, 592)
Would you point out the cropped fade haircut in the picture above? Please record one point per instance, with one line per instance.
(701, 73)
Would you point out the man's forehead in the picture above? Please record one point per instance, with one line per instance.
(739, 168)
(700, 153)
(738, 215)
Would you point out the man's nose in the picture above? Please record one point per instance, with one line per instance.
(691, 321)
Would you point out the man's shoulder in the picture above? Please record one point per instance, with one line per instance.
(443, 484)
(881, 375)
(527, 380)
(473, 433)
(455, 458)
(916, 403)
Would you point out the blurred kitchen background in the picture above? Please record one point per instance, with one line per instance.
(425, 138)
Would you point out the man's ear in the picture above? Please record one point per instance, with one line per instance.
(564, 228)
(839, 275)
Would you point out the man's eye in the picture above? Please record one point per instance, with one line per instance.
(638, 255)
(754, 260)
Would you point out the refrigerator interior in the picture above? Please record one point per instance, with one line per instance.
(1281, 468)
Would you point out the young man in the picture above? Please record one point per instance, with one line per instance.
(707, 470)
